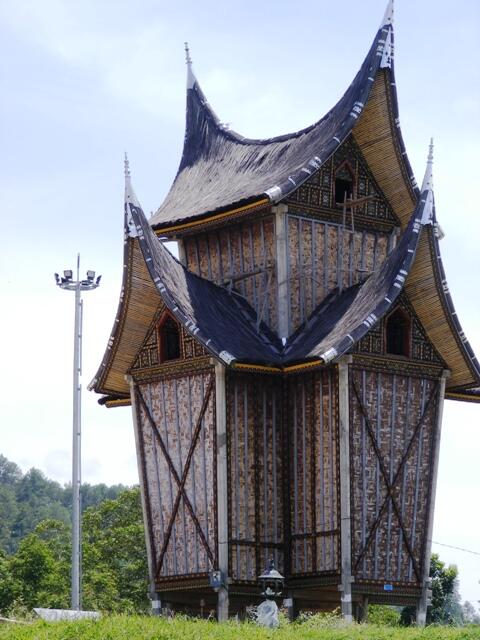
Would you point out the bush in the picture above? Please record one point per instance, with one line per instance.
(383, 614)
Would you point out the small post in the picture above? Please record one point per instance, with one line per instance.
(424, 597)
(156, 604)
(363, 610)
(345, 517)
(289, 603)
(222, 489)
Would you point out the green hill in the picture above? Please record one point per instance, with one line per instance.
(27, 499)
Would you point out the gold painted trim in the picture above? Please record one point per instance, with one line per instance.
(291, 368)
(462, 397)
(120, 402)
(218, 216)
(306, 365)
(257, 367)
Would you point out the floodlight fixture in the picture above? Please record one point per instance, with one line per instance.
(91, 275)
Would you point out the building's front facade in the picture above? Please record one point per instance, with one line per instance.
(287, 375)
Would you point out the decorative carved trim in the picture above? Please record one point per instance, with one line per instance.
(173, 369)
(398, 365)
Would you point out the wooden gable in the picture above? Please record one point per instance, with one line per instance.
(420, 348)
(317, 195)
(150, 358)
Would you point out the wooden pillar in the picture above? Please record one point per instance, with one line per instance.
(154, 596)
(345, 517)
(362, 610)
(393, 238)
(181, 251)
(280, 211)
(222, 489)
(423, 601)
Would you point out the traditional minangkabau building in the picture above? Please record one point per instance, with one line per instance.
(287, 374)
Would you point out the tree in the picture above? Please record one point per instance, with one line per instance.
(114, 554)
(10, 473)
(8, 517)
(9, 586)
(445, 607)
(35, 529)
(470, 615)
(41, 566)
(27, 499)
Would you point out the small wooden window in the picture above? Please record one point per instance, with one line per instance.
(169, 339)
(343, 184)
(397, 334)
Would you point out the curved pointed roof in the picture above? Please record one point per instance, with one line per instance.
(220, 169)
(227, 326)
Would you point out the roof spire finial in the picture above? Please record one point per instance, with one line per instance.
(388, 17)
(188, 59)
(427, 185)
(126, 165)
(428, 178)
(188, 62)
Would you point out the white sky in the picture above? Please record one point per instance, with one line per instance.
(83, 81)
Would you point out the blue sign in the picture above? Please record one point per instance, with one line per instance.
(388, 587)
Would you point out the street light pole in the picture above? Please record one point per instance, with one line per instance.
(77, 286)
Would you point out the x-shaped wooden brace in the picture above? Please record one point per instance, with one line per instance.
(180, 481)
(391, 485)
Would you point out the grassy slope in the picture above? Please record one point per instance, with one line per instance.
(148, 628)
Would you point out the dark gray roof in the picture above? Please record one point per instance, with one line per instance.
(226, 324)
(220, 168)
(222, 321)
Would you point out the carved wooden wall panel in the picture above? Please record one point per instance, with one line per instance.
(313, 473)
(177, 438)
(321, 257)
(392, 423)
(255, 450)
(235, 250)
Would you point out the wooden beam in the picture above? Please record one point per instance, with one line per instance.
(345, 505)
(143, 480)
(423, 602)
(222, 489)
(280, 212)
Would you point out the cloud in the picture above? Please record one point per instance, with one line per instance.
(131, 61)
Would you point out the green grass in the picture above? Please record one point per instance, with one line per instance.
(180, 628)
